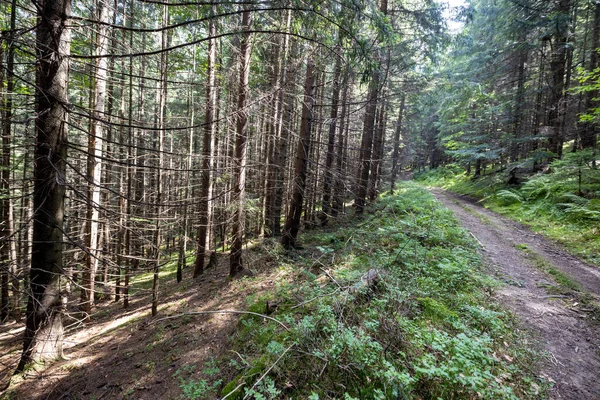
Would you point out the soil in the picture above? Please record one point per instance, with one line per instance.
(566, 328)
(127, 354)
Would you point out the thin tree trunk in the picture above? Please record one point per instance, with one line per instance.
(338, 190)
(519, 104)
(94, 162)
(285, 127)
(162, 113)
(292, 222)
(396, 153)
(558, 65)
(131, 172)
(239, 188)
(333, 123)
(205, 192)
(378, 144)
(366, 147)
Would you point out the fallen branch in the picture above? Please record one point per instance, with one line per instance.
(268, 370)
(219, 312)
(315, 298)
(233, 391)
(474, 237)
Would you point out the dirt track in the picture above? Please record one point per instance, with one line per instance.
(565, 329)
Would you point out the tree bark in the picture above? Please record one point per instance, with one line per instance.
(239, 188)
(205, 189)
(333, 122)
(378, 143)
(94, 162)
(292, 223)
(161, 114)
(396, 153)
(558, 66)
(589, 134)
(44, 329)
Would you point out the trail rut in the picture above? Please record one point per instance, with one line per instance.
(565, 329)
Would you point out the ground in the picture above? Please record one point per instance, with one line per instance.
(536, 272)
(128, 354)
(122, 354)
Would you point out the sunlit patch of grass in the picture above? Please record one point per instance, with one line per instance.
(556, 204)
(427, 329)
(167, 271)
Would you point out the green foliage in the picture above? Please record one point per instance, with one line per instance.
(508, 197)
(193, 388)
(427, 329)
(563, 203)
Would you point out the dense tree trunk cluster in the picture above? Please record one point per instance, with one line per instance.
(190, 130)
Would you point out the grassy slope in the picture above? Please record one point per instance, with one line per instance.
(428, 329)
(554, 204)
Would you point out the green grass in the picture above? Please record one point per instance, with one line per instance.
(428, 329)
(167, 271)
(558, 204)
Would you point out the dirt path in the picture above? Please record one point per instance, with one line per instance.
(565, 329)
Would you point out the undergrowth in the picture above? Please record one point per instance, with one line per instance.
(391, 307)
(563, 203)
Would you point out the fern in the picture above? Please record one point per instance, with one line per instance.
(572, 199)
(508, 197)
(580, 212)
(536, 189)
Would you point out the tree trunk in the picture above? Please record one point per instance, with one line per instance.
(396, 153)
(161, 114)
(292, 223)
(338, 190)
(44, 329)
(589, 133)
(557, 66)
(378, 144)
(366, 146)
(519, 105)
(205, 192)
(239, 188)
(94, 162)
(333, 120)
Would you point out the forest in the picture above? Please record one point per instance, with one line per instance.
(292, 199)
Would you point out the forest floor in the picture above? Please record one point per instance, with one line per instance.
(554, 294)
(126, 354)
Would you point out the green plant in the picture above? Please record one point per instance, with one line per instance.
(426, 328)
(194, 388)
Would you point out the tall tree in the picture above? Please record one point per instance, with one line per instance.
(333, 124)
(95, 157)
(292, 222)
(366, 145)
(589, 130)
(8, 251)
(396, 166)
(161, 116)
(558, 66)
(241, 135)
(209, 131)
(44, 328)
